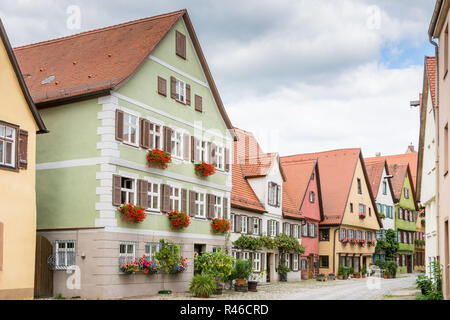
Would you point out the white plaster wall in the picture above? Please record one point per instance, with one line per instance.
(386, 199)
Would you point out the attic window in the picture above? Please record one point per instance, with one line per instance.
(180, 45)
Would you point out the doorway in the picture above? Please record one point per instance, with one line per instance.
(409, 263)
(268, 266)
(447, 261)
(311, 266)
(43, 275)
(198, 250)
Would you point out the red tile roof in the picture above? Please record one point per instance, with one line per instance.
(431, 73)
(242, 194)
(298, 175)
(375, 172)
(399, 172)
(336, 169)
(410, 158)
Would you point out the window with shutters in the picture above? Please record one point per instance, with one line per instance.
(155, 136)
(295, 262)
(200, 204)
(153, 196)
(256, 262)
(244, 224)
(150, 250)
(176, 143)
(175, 198)
(245, 255)
(218, 207)
(232, 221)
(273, 188)
(220, 158)
(65, 253)
(272, 228)
(305, 230)
(312, 230)
(323, 261)
(128, 190)
(324, 235)
(235, 254)
(180, 91)
(311, 196)
(8, 147)
(255, 226)
(295, 231)
(127, 252)
(286, 260)
(130, 129)
(202, 148)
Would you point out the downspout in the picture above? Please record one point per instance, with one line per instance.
(334, 251)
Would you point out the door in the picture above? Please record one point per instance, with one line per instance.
(409, 263)
(43, 276)
(446, 261)
(268, 266)
(311, 266)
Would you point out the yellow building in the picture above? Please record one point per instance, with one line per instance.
(347, 233)
(19, 123)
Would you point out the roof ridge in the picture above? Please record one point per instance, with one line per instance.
(116, 26)
(319, 152)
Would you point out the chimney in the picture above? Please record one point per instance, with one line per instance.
(410, 148)
(378, 154)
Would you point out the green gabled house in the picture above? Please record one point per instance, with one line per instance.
(406, 214)
(108, 96)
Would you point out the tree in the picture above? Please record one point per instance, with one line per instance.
(389, 245)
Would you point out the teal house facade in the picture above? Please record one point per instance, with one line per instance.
(109, 96)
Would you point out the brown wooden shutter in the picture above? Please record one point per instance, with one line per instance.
(167, 145)
(180, 45)
(260, 226)
(192, 206)
(227, 160)
(278, 228)
(162, 86)
(184, 200)
(165, 198)
(249, 225)
(116, 190)
(188, 94)
(1, 245)
(292, 229)
(198, 102)
(268, 227)
(142, 193)
(299, 227)
(144, 134)
(23, 149)
(278, 195)
(173, 87)
(186, 147)
(192, 148)
(238, 223)
(119, 125)
(210, 206)
(225, 208)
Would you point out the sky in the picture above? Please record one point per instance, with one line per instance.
(302, 75)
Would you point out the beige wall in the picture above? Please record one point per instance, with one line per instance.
(351, 220)
(17, 198)
(443, 178)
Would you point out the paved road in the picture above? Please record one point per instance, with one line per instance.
(357, 289)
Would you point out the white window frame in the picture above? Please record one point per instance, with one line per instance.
(272, 197)
(384, 187)
(200, 204)
(362, 208)
(8, 140)
(287, 230)
(127, 128)
(176, 141)
(232, 221)
(235, 254)
(286, 260)
(244, 224)
(128, 191)
(295, 262)
(220, 158)
(255, 226)
(123, 256)
(152, 194)
(175, 199)
(180, 90)
(273, 228)
(201, 147)
(65, 251)
(295, 232)
(150, 249)
(218, 207)
(245, 255)
(157, 136)
(406, 193)
(257, 261)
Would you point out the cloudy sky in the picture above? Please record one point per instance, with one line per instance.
(303, 75)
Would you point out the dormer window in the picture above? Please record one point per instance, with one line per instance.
(274, 194)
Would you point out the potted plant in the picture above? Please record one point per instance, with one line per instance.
(282, 272)
(321, 277)
(220, 225)
(351, 271)
(242, 271)
(158, 158)
(132, 213)
(341, 273)
(253, 282)
(204, 169)
(363, 272)
(356, 275)
(424, 284)
(392, 266)
(129, 266)
(331, 276)
(386, 273)
(382, 215)
(179, 219)
(202, 286)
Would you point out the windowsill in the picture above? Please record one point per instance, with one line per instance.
(200, 218)
(135, 146)
(8, 168)
(155, 212)
(181, 102)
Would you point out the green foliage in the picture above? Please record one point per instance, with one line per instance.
(59, 296)
(432, 286)
(341, 271)
(203, 285)
(419, 242)
(245, 242)
(388, 246)
(424, 284)
(380, 264)
(218, 265)
(168, 255)
(267, 242)
(286, 244)
(392, 267)
(351, 270)
(282, 271)
(363, 270)
(242, 269)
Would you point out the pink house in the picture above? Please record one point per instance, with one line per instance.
(302, 198)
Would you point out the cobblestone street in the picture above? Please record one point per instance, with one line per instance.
(400, 288)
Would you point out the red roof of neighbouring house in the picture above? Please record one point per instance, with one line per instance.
(431, 73)
(94, 62)
(399, 172)
(336, 169)
(375, 172)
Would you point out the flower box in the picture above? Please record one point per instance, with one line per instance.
(179, 219)
(371, 243)
(204, 169)
(148, 267)
(353, 241)
(362, 215)
(345, 240)
(220, 225)
(362, 243)
(132, 213)
(158, 158)
(129, 267)
(181, 267)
